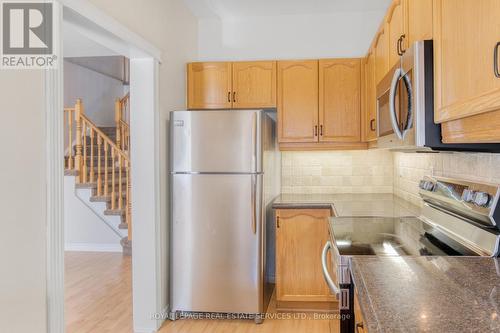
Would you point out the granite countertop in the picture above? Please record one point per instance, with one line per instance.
(428, 294)
(348, 205)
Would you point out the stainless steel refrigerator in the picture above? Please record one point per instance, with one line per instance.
(225, 172)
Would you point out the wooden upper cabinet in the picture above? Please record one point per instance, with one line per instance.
(395, 25)
(209, 85)
(300, 237)
(381, 51)
(370, 100)
(418, 20)
(466, 33)
(339, 100)
(254, 84)
(298, 101)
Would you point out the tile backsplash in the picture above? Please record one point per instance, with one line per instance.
(410, 168)
(337, 172)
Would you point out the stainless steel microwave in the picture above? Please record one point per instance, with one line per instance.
(405, 106)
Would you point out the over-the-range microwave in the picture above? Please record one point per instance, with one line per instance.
(405, 106)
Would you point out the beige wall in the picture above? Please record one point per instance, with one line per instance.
(337, 172)
(409, 169)
(22, 202)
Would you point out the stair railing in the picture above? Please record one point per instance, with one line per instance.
(122, 113)
(91, 148)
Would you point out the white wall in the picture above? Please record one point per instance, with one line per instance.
(171, 27)
(83, 229)
(97, 91)
(346, 34)
(22, 202)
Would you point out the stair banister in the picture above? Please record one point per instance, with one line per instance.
(115, 156)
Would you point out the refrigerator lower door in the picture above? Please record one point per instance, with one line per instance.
(216, 141)
(217, 250)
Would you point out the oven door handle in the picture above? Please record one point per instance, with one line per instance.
(334, 289)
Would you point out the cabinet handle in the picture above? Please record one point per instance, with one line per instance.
(495, 60)
(229, 96)
(321, 130)
(316, 130)
(358, 326)
(372, 125)
(277, 222)
(400, 45)
(234, 96)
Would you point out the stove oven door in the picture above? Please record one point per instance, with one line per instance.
(341, 286)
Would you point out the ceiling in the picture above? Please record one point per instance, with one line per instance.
(225, 9)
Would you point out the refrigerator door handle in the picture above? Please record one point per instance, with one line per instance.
(254, 203)
(254, 141)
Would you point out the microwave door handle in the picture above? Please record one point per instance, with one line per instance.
(409, 91)
(326, 274)
(392, 103)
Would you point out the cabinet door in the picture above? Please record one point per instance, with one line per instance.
(254, 84)
(381, 49)
(466, 33)
(300, 237)
(339, 100)
(395, 29)
(298, 101)
(209, 85)
(358, 316)
(419, 20)
(370, 97)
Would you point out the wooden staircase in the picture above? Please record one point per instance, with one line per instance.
(99, 159)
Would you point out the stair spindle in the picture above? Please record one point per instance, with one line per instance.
(91, 155)
(128, 212)
(99, 173)
(120, 203)
(106, 170)
(78, 145)
(70, 139)
(84, 166)
(113, 183)
(117, 121)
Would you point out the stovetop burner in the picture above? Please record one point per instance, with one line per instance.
(400, 236)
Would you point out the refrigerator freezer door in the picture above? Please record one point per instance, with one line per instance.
(217, 257)
(216, 141)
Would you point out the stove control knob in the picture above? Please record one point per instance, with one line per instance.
(482, 199)
(468, 195)
(422, 184)
(429, 186)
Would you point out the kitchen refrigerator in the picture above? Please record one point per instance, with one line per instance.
(224, 173)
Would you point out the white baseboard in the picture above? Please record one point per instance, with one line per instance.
(89, 247)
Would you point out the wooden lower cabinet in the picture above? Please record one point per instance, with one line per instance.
(300, 237)
(359, 323)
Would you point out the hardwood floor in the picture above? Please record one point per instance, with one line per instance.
(98, 299)
(98, 292)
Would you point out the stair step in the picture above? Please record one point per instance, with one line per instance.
(94, 184)
(115, 212)
(105, 198)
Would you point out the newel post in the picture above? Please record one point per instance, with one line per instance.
(78, 146)
(118, 117)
